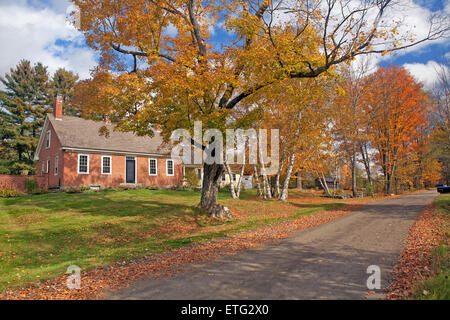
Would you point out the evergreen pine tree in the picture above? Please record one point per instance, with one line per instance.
(62, 84)
(23, 106)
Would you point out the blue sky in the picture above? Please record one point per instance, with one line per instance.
(36, 30)
(433, 51)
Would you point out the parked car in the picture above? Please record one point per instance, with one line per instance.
(442, 188)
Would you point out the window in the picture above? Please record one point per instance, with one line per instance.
(224, 178)
(234, 176)
(47, 140)
(83, 164)
(56, 165)
(48, 166)
(153, 167)
(199, 173)
(169, 164)
(106, 165)
(43, 167)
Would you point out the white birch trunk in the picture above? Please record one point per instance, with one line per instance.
(277, 178)
(285, 192)
(230, 174)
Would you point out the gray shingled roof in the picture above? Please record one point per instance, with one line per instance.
(80, 133)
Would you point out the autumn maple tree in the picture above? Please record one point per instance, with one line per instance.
(160, 64)
(398, 108)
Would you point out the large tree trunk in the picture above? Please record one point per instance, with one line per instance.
(284, 193)
(211, 177)
(390, 178)
(388, 185)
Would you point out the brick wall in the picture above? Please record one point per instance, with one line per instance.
(18, 182)
(49, 154)
(72, 178)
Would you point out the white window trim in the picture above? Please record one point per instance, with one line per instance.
(110, 165)
(156, 166)
(78, 164)
(43, 168)
(167, 168)
(47, 171)
(48, 139)
(56, 170)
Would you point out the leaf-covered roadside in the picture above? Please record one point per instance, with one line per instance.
(98, 282)
(422, 271)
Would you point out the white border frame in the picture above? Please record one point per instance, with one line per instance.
(78, 163)
(156, 162)
(167, 168)
(47, 170)
(110, 165)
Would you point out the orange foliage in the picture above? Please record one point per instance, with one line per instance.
(397, 108)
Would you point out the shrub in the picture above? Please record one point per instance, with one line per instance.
(9, 192)
(76, 189)
(31, 185)
(191, 179)
(369, 189)
(110, 189)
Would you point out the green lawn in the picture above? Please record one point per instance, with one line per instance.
(438, 286)
(41, 235)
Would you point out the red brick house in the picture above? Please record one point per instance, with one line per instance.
(72, 153)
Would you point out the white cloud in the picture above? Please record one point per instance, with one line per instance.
(414, 25)
(427, 74)
(32, 33)
(171, 30)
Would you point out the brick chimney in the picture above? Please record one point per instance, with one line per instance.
(58, 108)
